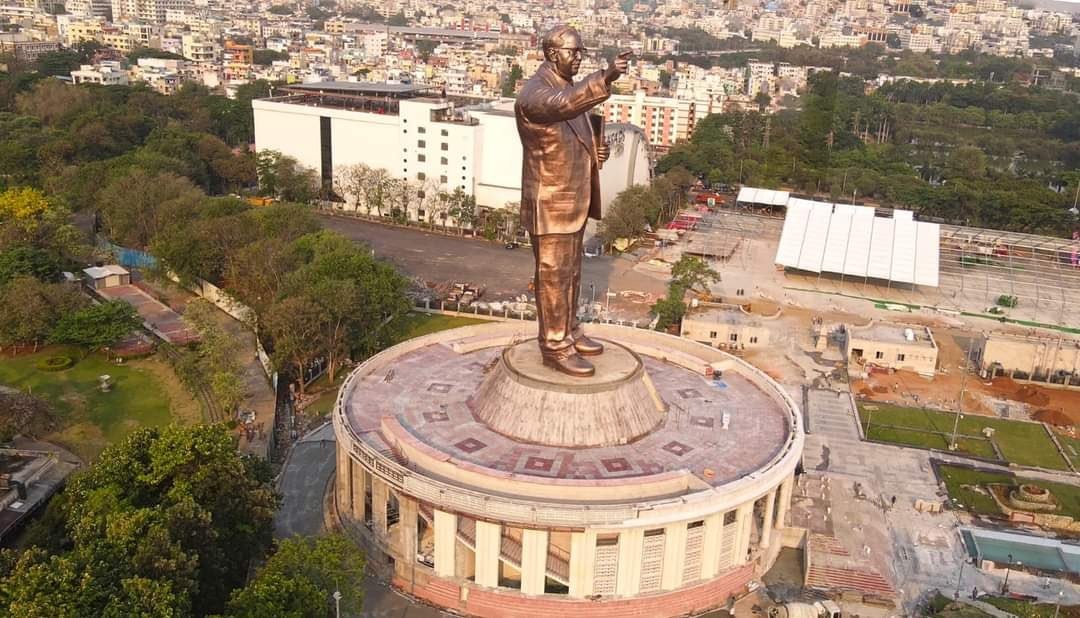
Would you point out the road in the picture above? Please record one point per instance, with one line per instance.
(505, 273)
(303, 485)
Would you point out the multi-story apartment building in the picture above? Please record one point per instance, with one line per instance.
(105, 73)
(148, 10)
(665, 120)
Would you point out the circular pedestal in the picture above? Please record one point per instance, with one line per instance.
(523, 399)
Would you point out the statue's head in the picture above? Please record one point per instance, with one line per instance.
(563, 48)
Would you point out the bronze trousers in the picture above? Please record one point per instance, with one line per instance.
(558, 283)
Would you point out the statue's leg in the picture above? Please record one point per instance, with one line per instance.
(584, 345)
(554, 292)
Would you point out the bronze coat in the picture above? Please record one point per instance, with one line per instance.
(560, 180)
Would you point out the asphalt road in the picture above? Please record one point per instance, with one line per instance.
(303, 485)
(504, 272)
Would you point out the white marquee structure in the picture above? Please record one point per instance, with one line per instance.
(822, 237)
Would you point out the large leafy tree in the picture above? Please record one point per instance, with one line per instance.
(300, 579)
(166, 523)
(31, 309)
(96, 326)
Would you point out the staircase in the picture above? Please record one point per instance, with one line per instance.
(558, 563)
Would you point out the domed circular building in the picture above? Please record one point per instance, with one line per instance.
(495, 486)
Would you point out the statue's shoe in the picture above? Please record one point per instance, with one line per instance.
(573, 365)
(588, 347)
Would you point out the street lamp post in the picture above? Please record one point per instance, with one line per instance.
(1008, 569)
(337, 603)
(960, 405)
(1057, 608)
(959, 579)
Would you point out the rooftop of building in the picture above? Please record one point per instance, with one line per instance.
(732, 315)
(891, 333)
(424, 392)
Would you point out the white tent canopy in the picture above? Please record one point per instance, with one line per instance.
(750, 195)
(851, 240)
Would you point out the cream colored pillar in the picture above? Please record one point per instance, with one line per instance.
(767, 518)
(358, 491)
(379, 497)
(630, 546)
(674, 556)
(582, 558)
(406, 528)
(534, 554)
(342, 481)
(445, 543)
(744, 517)
(785, 501)
(710, 550)
(488, 545)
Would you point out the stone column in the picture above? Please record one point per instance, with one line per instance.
(488, 545)
(534, 554)
(445, 543)
(767, 519)
(674, 556)
(744, 526)
(582, 556)
(710, 550)
(406, 529)
(785, 501)
(379, 497)
(342, 481)
(630, 545)
(358, 491)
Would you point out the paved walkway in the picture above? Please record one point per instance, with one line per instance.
(302, 484)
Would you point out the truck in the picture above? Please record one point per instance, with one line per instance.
(817, 609)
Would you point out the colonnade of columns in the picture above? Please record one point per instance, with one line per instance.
(355, 484)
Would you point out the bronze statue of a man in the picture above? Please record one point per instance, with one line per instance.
(560, 188)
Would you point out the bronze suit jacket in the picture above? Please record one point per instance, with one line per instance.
(560, 180)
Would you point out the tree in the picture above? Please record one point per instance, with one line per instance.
(23, 414)
(30, 310)
(136, 207)
(510, 85)
(692, 273)
(462, 208)
(266, 57)
(58, 63)
(300, 578)
(31, 261)
(671, 309)
(762, 100)
(967, 162)
(29, 219)
(350, 182)
(296, 326)
(284, 177)
(96, 326)
(627, 215)
(165, 523)
(281, 9)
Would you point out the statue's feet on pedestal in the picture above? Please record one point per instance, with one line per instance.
(573, 364)
(587, 347)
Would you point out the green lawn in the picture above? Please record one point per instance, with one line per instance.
(145, 393)
(417, 323)
(1024, 609)
(956, 477)
(1021, 443)
(1072, 449)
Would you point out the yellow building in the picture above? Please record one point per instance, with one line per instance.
(726, 328)
(910, 348)
(1042, 358)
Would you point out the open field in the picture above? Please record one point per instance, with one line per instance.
(145, 393)
(960, 481)
(1022, 443)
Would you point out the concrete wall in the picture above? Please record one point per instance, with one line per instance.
(1034, 356)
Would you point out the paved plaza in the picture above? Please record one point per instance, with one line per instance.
(920, 552)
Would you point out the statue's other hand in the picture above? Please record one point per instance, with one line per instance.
(603, 151)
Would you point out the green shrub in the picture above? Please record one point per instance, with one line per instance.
(55, 363)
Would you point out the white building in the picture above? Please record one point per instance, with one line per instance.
(147, 10)
(107, 73)
(198, 48)
(435, 142)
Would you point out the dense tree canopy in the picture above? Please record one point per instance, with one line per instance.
(985, 155)
(166, 523)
